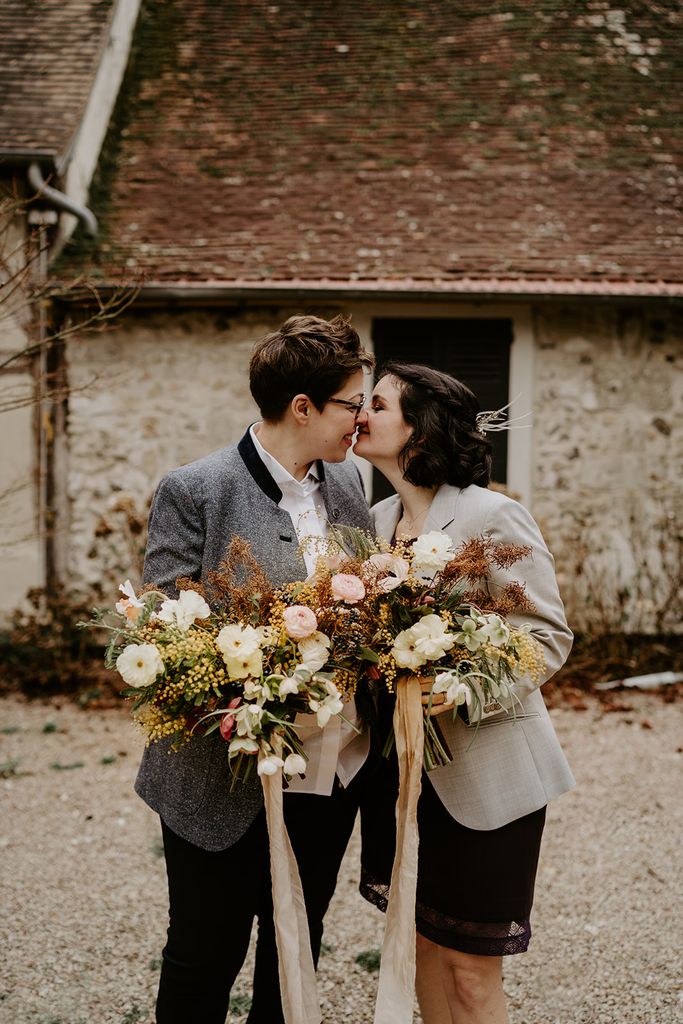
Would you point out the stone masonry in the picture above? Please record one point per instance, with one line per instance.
(159, 390)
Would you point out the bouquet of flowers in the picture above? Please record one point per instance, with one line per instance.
(247, 667)
(424, 608)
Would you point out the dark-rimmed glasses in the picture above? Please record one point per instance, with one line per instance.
(354, 407)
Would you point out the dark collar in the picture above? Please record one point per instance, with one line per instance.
(252, 460)
(254, 463)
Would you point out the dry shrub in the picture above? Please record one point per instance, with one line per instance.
(45, 652)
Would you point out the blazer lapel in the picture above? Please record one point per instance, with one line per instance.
(257, 468)
(443, 508)
(345, 505)
(386, 515)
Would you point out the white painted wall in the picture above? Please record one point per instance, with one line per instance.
(20, 550)
(20, 547)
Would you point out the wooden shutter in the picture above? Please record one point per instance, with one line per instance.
(477, 352)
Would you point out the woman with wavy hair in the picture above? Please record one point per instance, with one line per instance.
(481, 817)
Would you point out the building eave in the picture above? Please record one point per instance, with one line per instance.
(215, 293)
(13, 160)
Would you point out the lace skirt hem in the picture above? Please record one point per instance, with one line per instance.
(482, 938)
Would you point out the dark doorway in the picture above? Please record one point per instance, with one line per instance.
(475, 351)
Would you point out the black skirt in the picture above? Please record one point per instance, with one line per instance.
(475, 888)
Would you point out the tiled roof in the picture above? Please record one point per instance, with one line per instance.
(367, 141)
(49, 52)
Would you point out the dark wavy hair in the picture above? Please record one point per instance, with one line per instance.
(305, 355)
(445, 446)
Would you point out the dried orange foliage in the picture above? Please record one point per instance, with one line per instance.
(473, 562)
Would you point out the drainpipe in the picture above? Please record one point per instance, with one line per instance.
(48, 370)
(40, 220)
(61, 201)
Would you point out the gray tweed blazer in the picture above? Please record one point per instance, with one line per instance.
(195, 512)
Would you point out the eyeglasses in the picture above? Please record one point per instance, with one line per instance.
(354, 407)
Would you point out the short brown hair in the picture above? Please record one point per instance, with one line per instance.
(306, 355)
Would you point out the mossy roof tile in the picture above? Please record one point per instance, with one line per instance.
(49, 52)
(360, 140)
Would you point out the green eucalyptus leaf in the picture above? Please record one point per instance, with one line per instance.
(367, 654)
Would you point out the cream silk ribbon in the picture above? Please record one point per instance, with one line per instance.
(300, 1004)
(396, 990)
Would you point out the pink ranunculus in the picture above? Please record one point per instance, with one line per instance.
(300, 622)
(347, 588)
(227, 725)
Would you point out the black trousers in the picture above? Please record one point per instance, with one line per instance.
(214, 897)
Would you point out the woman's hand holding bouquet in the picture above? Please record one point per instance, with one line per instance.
(430, 611)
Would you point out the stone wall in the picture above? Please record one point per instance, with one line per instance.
(159, 390)
(151, 394)
(608, 460)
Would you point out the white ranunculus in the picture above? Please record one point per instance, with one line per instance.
(494, 630)
(269, 765)
(347, 587)
(405, 652)
(237, 641)
(431, 552)
(244, 666)
(183, 612)
(314, 651)
(139, 664)
(432, 637)
(295, 764)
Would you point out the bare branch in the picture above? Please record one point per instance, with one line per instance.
(54, 394)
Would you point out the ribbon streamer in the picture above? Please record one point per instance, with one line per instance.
(300, 1004)
(396, 990)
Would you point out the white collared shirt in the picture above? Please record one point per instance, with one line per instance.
(337, 749)
(301, 499)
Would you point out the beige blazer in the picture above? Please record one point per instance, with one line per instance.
(512, 766)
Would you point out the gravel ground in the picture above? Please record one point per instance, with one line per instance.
(83, 886)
